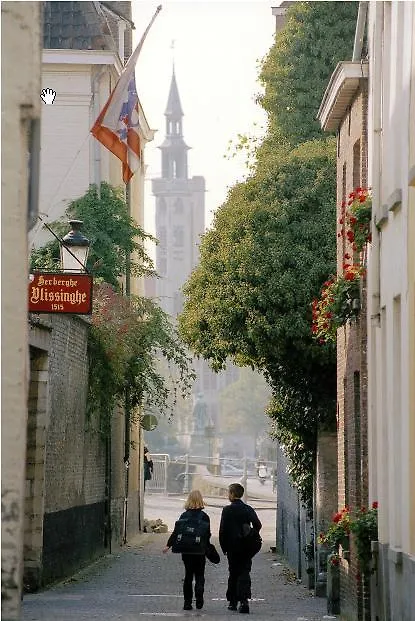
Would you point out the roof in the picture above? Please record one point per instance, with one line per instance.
(173, 142)
(85, 25)
(341, 90)
(174, 107)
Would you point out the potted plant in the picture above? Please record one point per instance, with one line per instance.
(338, 532)
(356, 219)
(339, 303)
(364, 527)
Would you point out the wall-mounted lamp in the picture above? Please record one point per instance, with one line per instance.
(74, 249)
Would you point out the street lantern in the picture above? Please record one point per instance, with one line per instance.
(75, 248)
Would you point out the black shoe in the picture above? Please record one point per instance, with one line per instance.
(233, 606)
(199, 603)
(244, 607)
(187, 606)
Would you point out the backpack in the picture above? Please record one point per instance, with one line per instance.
(192, 536)
(250, 540)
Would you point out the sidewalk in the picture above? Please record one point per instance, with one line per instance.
(142, 583)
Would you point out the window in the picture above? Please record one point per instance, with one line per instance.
(356, 164)
(162, 237)
(162, 267)
(178, 303)
(162, 208)
(178, 236)
(178, 207)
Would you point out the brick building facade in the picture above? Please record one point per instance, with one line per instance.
(344, 109)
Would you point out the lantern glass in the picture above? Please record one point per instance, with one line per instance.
(68, 261)
(74, 250)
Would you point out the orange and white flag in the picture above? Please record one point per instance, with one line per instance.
(117, 126)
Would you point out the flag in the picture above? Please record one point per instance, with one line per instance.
(117, 125)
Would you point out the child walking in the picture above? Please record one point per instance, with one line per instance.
(194, 562)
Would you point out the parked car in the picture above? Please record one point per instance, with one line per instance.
(230, 470)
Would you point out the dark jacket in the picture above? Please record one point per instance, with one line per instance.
(189, 513)
(233, 517)
(148, 467)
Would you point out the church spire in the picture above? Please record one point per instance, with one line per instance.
(174, 149)
(174, 107)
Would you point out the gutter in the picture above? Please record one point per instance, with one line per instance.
(360, 32)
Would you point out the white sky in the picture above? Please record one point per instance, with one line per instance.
(217, 48)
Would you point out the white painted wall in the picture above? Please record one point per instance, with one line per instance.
(83, 81)
(391, 78)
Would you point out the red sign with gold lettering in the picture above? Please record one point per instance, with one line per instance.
(60, 293)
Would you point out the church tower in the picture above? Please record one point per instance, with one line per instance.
(180, 210)
(180, 222)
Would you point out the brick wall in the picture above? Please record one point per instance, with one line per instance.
(351, 355)
(82, 470)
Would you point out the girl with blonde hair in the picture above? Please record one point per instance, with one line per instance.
(194, 563)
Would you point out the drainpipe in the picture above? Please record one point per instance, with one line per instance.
(96, 111)
(360, 32)
(376, 164)
(121, 38)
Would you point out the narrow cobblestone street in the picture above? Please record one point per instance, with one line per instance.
(141, 582)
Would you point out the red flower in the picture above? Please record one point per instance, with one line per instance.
(375, 504)
(349, 276)
(347, 256)
(337, 517)
(350, 236)
(353, 220)
(341, 220)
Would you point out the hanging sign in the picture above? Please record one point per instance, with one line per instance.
(60, 293)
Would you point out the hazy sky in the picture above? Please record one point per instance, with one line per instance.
(217, 48)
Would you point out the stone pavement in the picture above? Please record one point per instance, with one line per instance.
(140, 582)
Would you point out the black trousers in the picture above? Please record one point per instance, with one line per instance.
(239, 581)
(194, 565)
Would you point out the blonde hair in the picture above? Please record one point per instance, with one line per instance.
(194, 500)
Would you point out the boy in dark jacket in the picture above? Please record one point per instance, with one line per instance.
(194, 564)
(233, 519)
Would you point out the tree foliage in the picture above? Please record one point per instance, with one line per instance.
(261, 263)
(115, 237)
(128, 336)
(272, 243)
(296, 71)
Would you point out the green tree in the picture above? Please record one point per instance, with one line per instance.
(296, 71)
(113, 234)
(273, 241)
